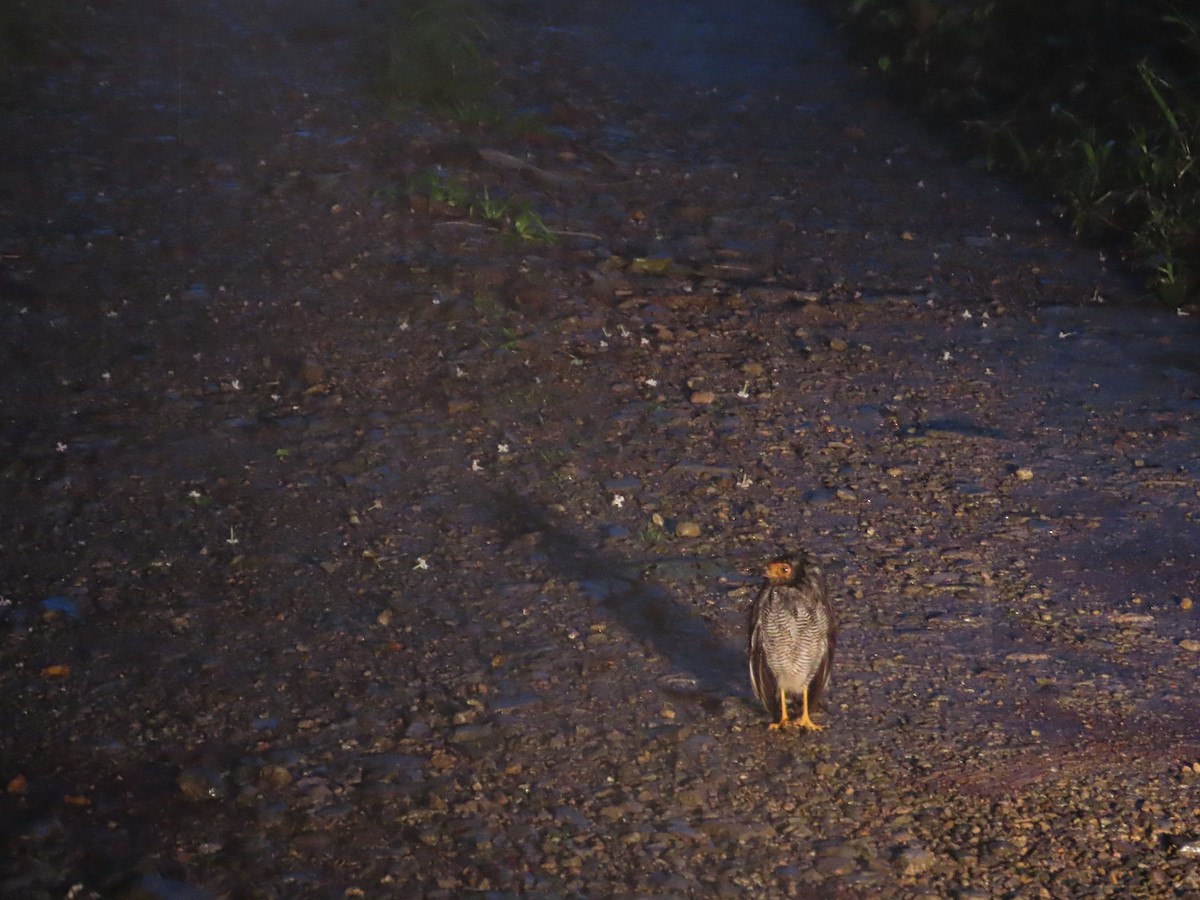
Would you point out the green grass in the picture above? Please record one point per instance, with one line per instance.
(652, 534)
(433, 56)
(1095, 101)
(509, 215)
(452, 190)
(493, 210)
(527, 224)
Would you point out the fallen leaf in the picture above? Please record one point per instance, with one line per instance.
(56, 671)
(17, 784)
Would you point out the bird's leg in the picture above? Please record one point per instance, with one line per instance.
(805, 721)
(783, 716)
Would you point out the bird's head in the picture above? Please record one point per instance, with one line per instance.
(783, 570)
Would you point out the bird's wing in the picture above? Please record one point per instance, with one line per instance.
(762, 679)
(820, 681)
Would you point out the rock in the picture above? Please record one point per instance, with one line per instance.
(201, 784)
(834, 865)
(311, 373)
(1190, 644)
(687, 529)
(691, 798)
(571, 816)
(751, 830)
(703, 398)
(1027, 657)
(820, 496)
(471, 733)
(393, 766)
(274, 776)
(681, 828)
(914, 860)
(417, 730)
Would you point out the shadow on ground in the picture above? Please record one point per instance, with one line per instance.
(624, 590)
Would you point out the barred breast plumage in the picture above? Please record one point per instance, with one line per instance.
(792, 639)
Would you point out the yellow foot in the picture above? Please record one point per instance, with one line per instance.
(806, 722)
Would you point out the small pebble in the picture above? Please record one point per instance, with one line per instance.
(687, 529)
(1024, 474)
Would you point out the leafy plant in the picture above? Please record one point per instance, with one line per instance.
(439, 187)
(491, 209)
(652, 534)
(494, 210)
(529, 225)
(1096, 101)
(433, 53)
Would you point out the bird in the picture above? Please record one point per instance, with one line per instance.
(792, 635)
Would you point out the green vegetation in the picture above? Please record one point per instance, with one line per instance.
(492, 210)
(652, 534)
(503, 213)
(452, 190)
(1097, 101)
(432, 53)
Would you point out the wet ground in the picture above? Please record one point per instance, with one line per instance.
(356, 547)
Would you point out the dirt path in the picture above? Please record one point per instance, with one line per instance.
(354, 547)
